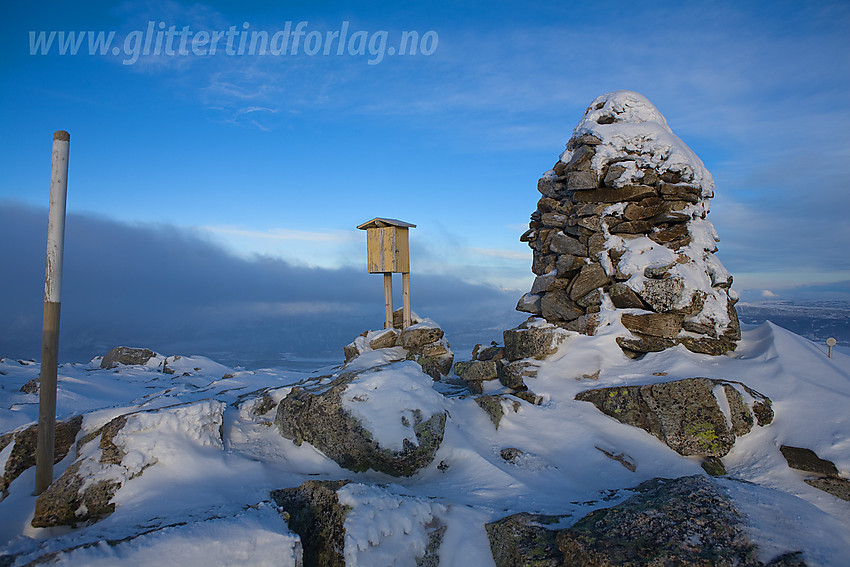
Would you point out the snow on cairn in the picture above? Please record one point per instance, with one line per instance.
(621, 235)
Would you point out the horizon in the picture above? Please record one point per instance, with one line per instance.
(264, 157)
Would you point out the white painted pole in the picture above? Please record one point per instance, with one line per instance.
(52, 302)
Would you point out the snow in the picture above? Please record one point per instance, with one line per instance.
(208, 462)
(385, 527)
(384, 402)
(639, 136)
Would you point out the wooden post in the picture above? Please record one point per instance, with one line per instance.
(405, 295)
(52, 302)
(388, 300)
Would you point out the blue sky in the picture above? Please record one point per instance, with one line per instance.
(284, 155)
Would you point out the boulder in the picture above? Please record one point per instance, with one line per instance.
(477, 370)
(684, 414)
(127, 356)
(806, 460)
(682, 521)
(325, 414)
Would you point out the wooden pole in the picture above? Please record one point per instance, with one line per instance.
(405, 295)
(388, 300)
(52, 303)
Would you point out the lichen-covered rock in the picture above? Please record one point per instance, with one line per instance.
(22, 455)
(623, 224)
(324, 414)
(127, 356)
(682, 521)
(684, 414)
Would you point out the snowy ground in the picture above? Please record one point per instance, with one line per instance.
(206, 502)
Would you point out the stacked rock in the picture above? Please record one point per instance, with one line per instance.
(622, 226)
(423, 341)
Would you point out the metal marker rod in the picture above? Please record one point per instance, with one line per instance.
(52, 302)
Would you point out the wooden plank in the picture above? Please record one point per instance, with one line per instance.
(405, 283)
(388, 300)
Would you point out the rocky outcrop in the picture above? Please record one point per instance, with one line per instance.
(127, 356)
(324, 414)
(22, 455)
(683, 521)
(423, 342)
(85, 490)
(622, 224)
(685, 414)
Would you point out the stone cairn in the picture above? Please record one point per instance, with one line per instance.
(621, 228)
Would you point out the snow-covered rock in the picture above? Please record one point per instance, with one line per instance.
(385, 417)
(623, 217)
(120, 451)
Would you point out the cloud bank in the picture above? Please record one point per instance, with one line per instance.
(177, 292)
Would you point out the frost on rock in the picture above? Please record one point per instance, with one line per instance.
(623, 218)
